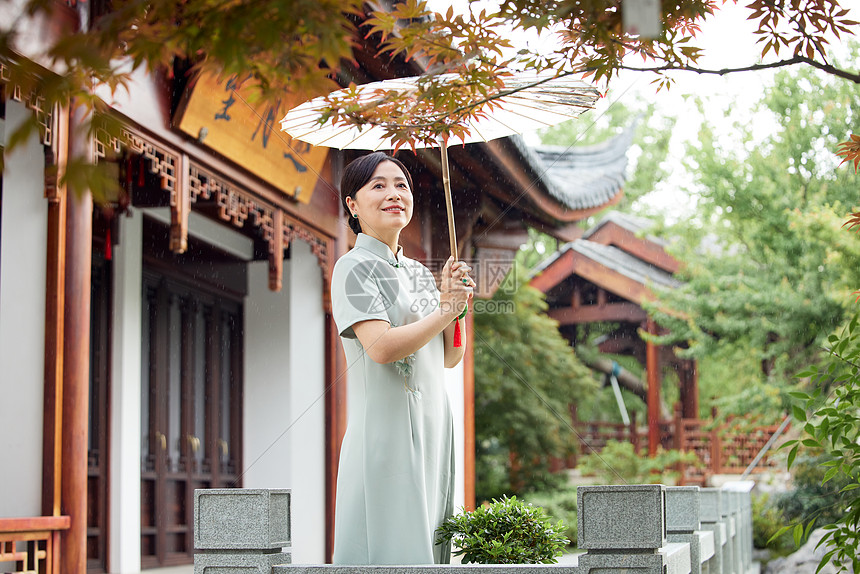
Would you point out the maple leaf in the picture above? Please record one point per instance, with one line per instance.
(850, 150)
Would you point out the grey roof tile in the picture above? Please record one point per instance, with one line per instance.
(617, 260)
(626, 264)
(582, 177)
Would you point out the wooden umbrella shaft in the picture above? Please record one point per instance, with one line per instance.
(446, 182)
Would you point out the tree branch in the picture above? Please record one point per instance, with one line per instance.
(827, 68)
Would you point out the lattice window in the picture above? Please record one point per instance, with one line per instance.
(44, 113)
(28, 555)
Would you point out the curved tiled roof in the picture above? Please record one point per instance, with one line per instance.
(626, 264)
(582, 177)
(617, 260)
(632, 223)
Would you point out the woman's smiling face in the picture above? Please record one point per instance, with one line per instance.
(384, 203)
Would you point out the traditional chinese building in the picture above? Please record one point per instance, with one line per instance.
(606, 276)
(182, 337)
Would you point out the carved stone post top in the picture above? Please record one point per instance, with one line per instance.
(710, 502)
(622, 517)
(241, 518)
(682, 509)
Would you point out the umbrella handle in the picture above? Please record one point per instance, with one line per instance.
(446, 183)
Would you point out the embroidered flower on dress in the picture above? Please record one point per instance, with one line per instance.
(404, 366)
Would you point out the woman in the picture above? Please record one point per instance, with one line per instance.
(395, 481)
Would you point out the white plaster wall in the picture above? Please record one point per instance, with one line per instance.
(23, 233)
(126, 365)
(267, 392)
(454, 386)
(284, 407)
(307, 403)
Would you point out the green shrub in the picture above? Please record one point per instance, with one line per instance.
(768, 519)
(811, 497)
(508, 531)
(559, 504)
(830, 417)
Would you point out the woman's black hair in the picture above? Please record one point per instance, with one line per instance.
(358, 173)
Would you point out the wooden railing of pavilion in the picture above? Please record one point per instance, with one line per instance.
(722, 448)
(32, 544)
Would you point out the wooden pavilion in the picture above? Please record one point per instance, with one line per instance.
(606, 276)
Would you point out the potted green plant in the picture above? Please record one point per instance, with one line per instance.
(506, 531)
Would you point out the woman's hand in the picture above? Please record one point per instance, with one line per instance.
(456, 287)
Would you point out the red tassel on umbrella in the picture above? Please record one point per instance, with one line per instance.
(458, 337)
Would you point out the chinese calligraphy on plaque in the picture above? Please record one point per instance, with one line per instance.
(220, 116)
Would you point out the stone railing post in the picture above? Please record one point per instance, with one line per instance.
(241, 530)
(623, 528)
(740, 532)
(683, 525)
(727, 516)
(709, 514)
(740, 492)
(747, 521)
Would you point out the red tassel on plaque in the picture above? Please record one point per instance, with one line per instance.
(458, 339)
(108, 247)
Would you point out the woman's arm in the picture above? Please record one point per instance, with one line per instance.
(453, 355)
(387, 344)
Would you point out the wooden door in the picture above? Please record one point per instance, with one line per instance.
(191, 410)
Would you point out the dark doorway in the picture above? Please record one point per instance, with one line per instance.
(191, 384)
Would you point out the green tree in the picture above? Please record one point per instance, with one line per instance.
(767, 265)
(526, 375)
(592, 41)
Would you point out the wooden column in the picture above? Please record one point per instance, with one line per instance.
(469, 413)
(54, 305)
(335, 423)
(76, 360)
(652, 365)
(689, 379)
(335, 375)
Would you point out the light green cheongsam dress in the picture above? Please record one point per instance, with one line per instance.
(395, 482)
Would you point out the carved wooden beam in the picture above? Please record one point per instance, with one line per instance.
(575, 315)
(180, 206)
(36, 103)
(276, 252)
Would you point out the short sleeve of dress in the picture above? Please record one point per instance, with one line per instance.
(356, 294)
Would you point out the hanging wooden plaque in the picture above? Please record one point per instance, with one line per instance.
(220, 115)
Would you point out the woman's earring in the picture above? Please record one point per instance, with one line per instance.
(355, 215)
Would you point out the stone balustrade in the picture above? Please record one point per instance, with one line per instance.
(647, 529)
